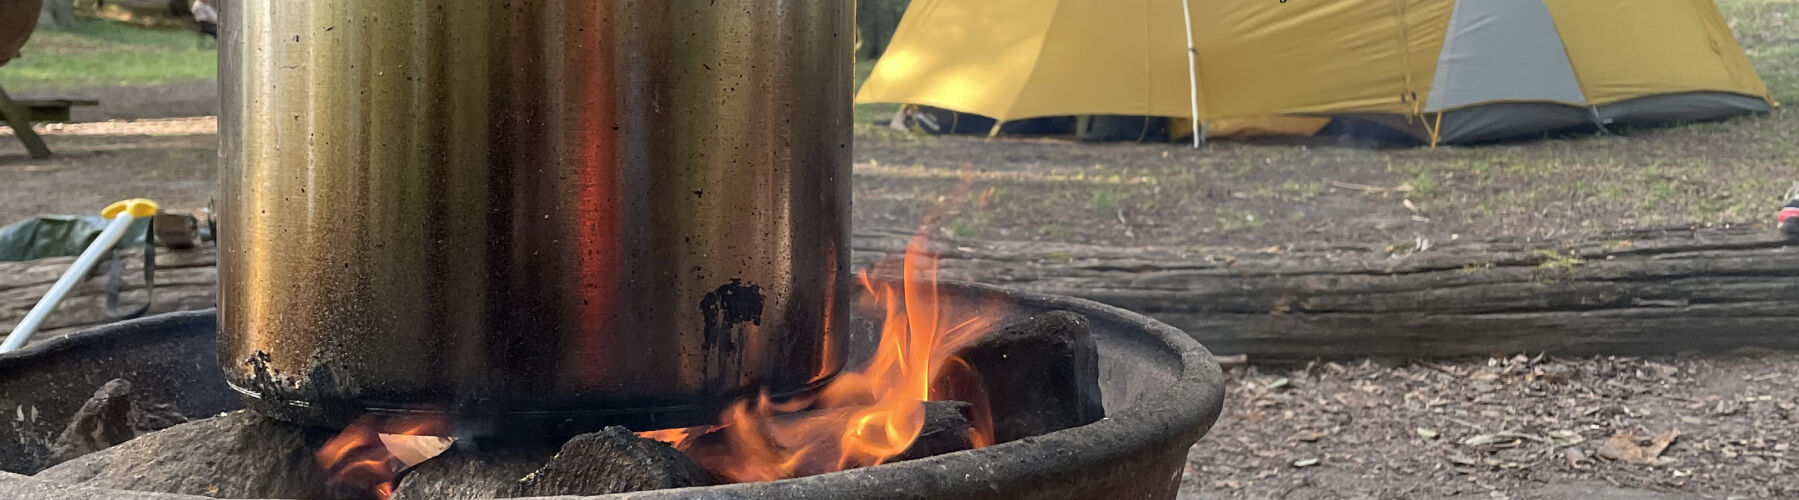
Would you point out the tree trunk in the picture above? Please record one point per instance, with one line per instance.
(57, 14)
(875, 22)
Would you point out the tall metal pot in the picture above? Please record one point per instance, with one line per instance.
(565, 211)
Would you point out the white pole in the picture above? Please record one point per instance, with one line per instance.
(1199, 131)
(108, 237)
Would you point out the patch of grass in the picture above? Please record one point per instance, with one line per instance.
(973, 225)
(1237, 220)
(108, 53)
(1423, 184)
(1104, 201)
(1553, 266)
(1056, 231)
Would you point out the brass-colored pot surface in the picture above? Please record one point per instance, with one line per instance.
(626, 210)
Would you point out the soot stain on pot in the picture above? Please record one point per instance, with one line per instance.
(263, 378)
(732, 304)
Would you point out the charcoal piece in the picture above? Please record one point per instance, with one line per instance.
(613, 460)
(469, 472)
(152, 417)
(946, 430)
(103, 421)
(235, 455)
(110, 417)
(1041, 375)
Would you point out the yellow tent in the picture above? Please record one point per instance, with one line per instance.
(1450, 70)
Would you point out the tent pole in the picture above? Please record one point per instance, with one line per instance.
(1199, 133)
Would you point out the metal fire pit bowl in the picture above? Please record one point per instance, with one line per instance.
(1162, 391)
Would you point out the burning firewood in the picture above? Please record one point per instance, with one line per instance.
(735, 452)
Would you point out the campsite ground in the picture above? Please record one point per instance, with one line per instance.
(1362, 423)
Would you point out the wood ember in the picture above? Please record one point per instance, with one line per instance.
(235, 455)
(108, 418)
(1041, 375)
(613, 460)
(468, 472)
(946, 430)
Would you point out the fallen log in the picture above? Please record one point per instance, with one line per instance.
(1656, 291)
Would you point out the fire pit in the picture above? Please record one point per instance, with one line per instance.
(1161, 392)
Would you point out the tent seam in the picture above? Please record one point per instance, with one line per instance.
(1579, 82)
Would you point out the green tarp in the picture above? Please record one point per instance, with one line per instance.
(61, 236)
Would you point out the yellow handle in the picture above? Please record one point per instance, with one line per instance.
(137, 207)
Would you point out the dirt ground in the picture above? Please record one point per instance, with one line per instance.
(173, 161)
(1719, 426)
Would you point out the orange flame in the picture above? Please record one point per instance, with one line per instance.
(861, 418)
(363, 461)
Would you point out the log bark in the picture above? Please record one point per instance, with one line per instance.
(1655, 291)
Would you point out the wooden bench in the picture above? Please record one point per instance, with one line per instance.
(51, 110)
(21, 112)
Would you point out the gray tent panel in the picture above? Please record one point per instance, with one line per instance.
(1509, 120)
(1489, 122)
(1502, 50)
(1683, 107)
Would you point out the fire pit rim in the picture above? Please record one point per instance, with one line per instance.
(1178, 414)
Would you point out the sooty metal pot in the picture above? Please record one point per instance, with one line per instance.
(587, 212)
